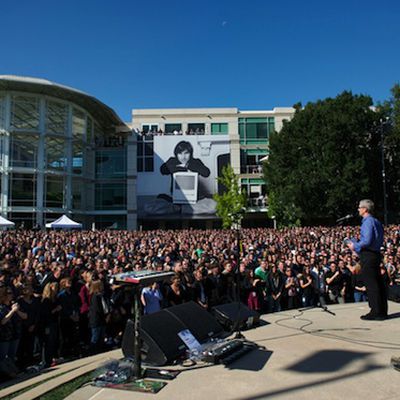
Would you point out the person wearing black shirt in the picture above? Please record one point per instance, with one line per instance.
(199, 289)
(307, 287)
(276, 286)
(69, 318)
(30, 305)
(49, 316)
(10, 324)
(335, 283)
(360, 291)
(99, 311)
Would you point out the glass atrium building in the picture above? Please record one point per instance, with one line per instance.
(62, 152)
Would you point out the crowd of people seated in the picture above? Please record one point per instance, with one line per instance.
(57, 300)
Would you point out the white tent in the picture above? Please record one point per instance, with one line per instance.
(5, 223)
(64, 223)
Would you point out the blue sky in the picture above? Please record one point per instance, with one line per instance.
(250, 54)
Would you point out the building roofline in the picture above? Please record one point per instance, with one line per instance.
(103, 114)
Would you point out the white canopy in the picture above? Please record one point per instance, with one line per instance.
(64, 223)
(5, 223)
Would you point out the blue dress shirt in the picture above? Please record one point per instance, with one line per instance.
(371, 235)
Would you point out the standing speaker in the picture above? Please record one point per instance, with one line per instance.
(394, 293)
(159, 335)
(234, 315)
(159, 332)
(199, 321)
(161, 343)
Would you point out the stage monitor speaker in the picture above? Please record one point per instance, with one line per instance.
(394, 293)
(160, 341)
(199, 321)
(232, 315)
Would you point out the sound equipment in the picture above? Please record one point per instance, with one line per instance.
(394, 293)
(225, 352)
(234, 315)
(161, 343)
(159, 332)
(199, 321)
(143, 277)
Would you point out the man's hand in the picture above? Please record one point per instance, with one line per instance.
(350, 245)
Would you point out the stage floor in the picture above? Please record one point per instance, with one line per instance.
(309, 355)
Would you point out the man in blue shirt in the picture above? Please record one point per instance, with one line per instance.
(368, 249)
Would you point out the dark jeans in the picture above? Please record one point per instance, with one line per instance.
(376, 290)
(25, 349)
(50, 342)
(97, 339)
(8, 349)
(360, 296)
(69, 337)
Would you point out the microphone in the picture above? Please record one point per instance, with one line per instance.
(347, 217)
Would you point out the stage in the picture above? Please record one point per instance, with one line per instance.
(308, 355)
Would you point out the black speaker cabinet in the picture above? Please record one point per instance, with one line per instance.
(394, 293)
(199, 321)
(161, 344)
(233, 314)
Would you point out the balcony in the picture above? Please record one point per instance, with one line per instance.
(251, 169)
(258, 204)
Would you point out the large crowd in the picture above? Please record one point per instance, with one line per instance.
(58, 301)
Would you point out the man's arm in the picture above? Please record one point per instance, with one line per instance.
(366, 237)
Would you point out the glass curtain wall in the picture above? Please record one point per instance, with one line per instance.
(110, 196)
(25, 113)
(54, 191)
(24, 150)
(22, 190)
(2, 112)
(255, 130)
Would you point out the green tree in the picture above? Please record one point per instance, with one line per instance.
(324, 160)
(232, 201)
(390, 127)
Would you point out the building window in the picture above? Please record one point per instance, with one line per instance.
(89, 130)
(219, 129)
(2, 112)
(22, 189)
(110, 164)
(255, 130)
(171, 128)
(78, 124)
(77, 188)
(23, 220)
(145, 154)
(24, 150)
(146, 128)
(56, 118)
(55, 149)
(25, 113)
(110, 196)
(196, 129)
(251, 160)
(54, 191)
(77, 157)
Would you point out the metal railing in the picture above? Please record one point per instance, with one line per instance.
(251, 169)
